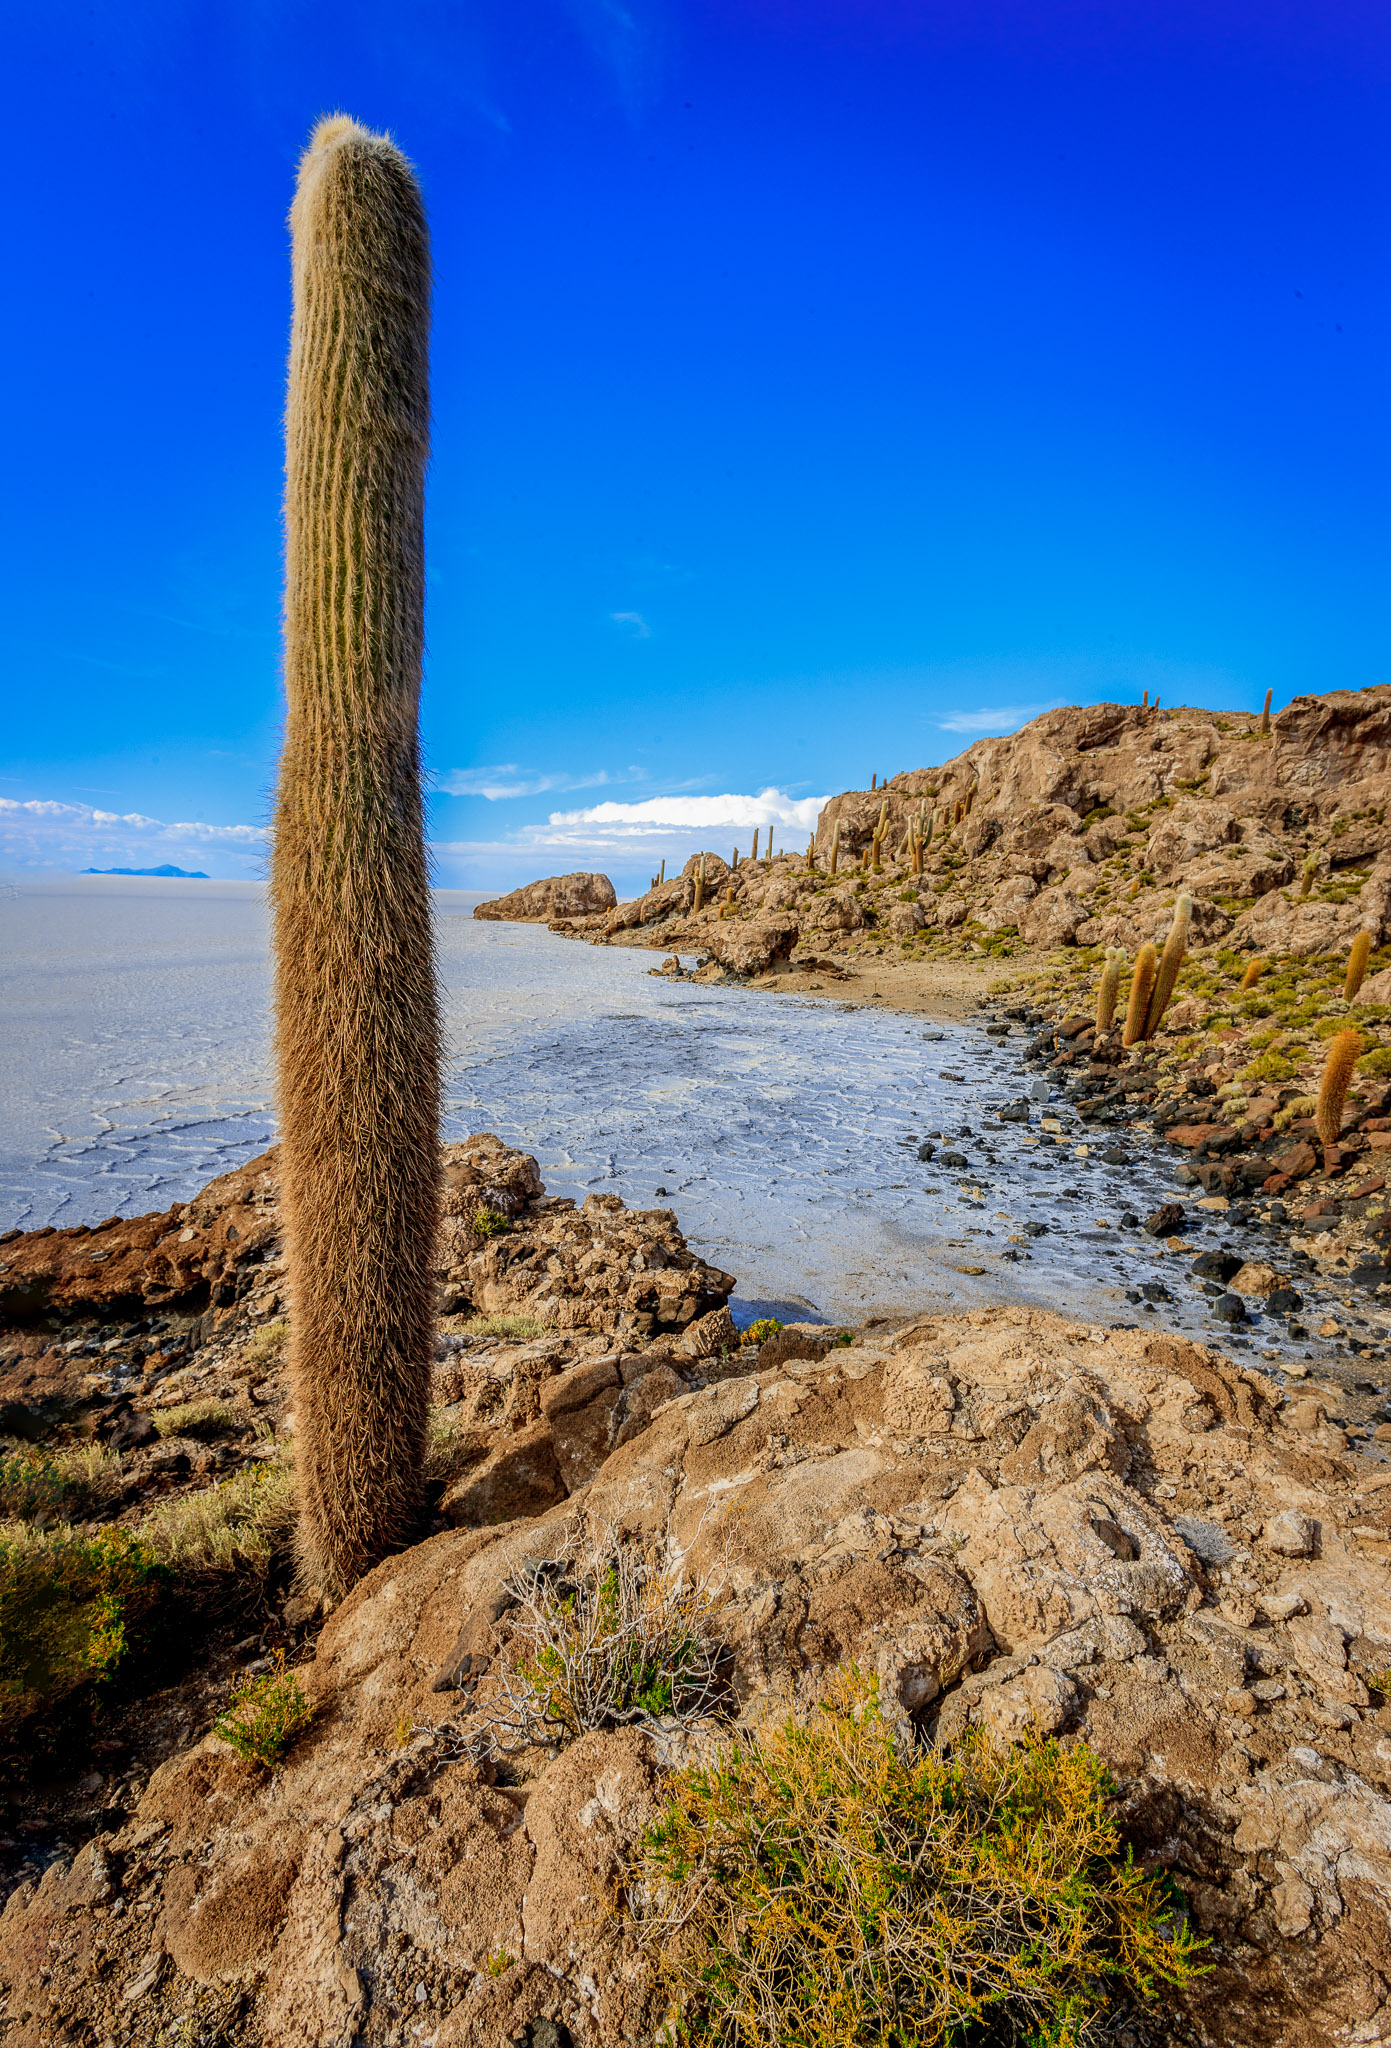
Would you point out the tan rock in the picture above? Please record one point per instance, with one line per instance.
(1254, 1278)
(555, 896)
(755, 947)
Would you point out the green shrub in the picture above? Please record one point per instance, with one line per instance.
(244, 1521)
(71, 1608)
(1375, 1062)
(265, 1345)
(763, 1329)
(1269, 1066)
(46, 1487)
(819, 1889)
(489, 1223)
(505, 1326)
(265, 1714)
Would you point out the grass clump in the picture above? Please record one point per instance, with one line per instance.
(504, 1326)
(490, 1223)
(264, 1346)
(71, 1607)
(603, 1633)
(763, 1329)
(44, 1488)
(264, 1715)
(245, 1521)
(198, 1419)
(820, 1889)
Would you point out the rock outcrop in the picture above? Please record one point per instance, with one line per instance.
(505, 1248)
(1075, 831)
(554, 896)
(1010, 1519)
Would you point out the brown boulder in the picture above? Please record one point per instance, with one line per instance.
(753, 948)
(555, 896)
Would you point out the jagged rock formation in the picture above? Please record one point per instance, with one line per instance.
(1080, 828)
(1012, 1519)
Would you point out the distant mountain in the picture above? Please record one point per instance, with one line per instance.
(184, 874)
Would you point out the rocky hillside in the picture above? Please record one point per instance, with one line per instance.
(1013, 1522)
(1075, 832)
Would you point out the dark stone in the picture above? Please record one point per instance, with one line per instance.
(1165, 1220)
(1299, 1333)
(997, 1031)
(1215, 1265)
(1036, 1229)
(1229, 1308)
(926, 1151)
(1278, 1212)
(954, 1159)
(1282, 1299)
(1155, 1290)
(1014, 1113)
(1116, 1155)
(1129, 1220)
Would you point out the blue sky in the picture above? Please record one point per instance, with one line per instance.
(816, 387)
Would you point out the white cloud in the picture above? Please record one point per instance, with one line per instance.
(661, 816)
(43, 833)
(1001, 718)
(636, 625)
(508, 780)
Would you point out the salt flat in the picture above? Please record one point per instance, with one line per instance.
(134, 1061)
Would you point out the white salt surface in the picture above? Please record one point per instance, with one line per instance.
(134, 1022)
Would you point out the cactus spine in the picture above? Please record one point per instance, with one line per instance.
(356, 1027)
(1357, 965)
(1253, 973)
(1108, 988)
(1344, 1051)
(1141, 988)
(1170, 962)
(1265, 711)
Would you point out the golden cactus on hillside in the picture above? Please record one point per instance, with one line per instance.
(1253, 973)
(1265, 711)
(1170, 963)
(1141, 988)
(1357, 965)
(834, 860)
(1311, 868)
(1344, 1051)
(357, 1040)
(1108, 988)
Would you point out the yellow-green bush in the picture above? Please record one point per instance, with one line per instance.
(245, 1521)
(821, 1889)
(200, 1419)
(46, 1487)
(71, 1607)
(265, 1714)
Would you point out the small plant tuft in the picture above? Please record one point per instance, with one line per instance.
(264, 1715)
(490, 1223)
(763, 1329)
(71, 1607)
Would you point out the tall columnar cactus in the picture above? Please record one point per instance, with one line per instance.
(1310, 869)
(1108, 988)
(1357, 965)
(356, 1030)
(1265, 710)
(754, 854)
(1170, 962)
(1253, 973)
(1344, 1051)
(1141, 989)
(698, 901)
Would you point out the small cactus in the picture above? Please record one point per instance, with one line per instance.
(698, 901)
(1344, 1051)
(663, 874)
(1134, 890)
(835, 848)
(1253, 973)
(1108, 988)
(1311, 868)
(1145, 701)
(754, 854)
(1265, 711)
(1357, 965)
(1170, 963)
(1141, 989)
